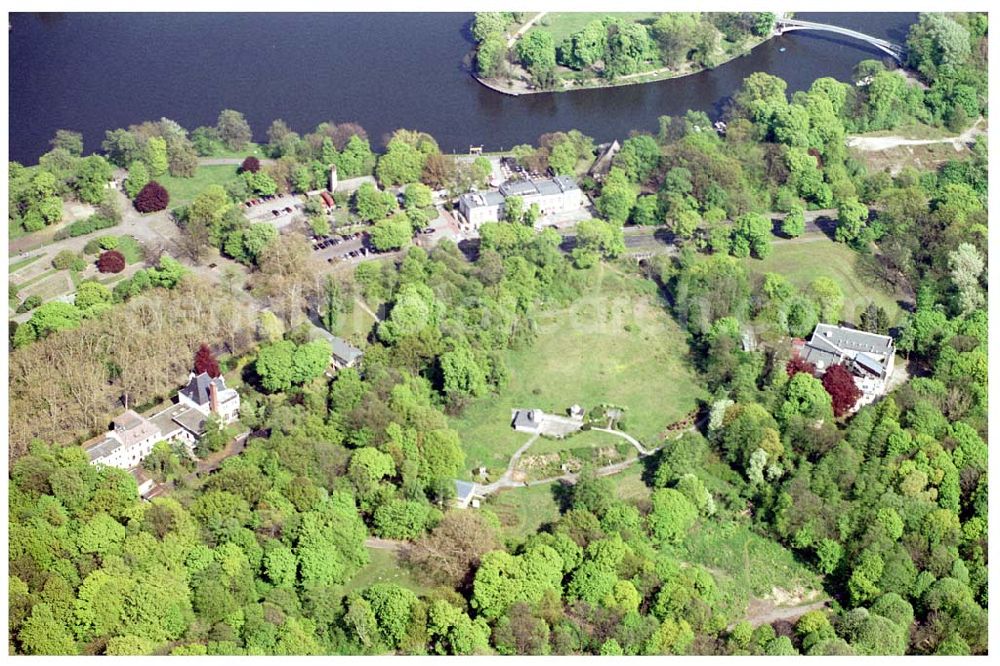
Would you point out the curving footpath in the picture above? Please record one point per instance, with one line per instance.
(876, 143)
(507, 480)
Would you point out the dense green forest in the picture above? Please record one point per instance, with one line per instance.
(880, 514)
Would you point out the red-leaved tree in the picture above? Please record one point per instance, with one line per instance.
(796, 364)
(204, 361)
(251, 164)
(111, 261)
(839, 383)
(151, 198)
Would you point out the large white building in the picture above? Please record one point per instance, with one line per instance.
(870, 357)
(553, 195)
(133, 436)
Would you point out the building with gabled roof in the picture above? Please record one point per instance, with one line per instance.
(467, 493)
(869, 356)
(207, 394)
(132, 436)
(342, 353)
(559, 194)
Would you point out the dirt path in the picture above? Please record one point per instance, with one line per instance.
(524, 28)
(385, 544)
(776, 613)
(364, 306)
(506, 481)
(875, 143)
(629, 438)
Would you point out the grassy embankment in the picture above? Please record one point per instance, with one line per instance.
(803, 262)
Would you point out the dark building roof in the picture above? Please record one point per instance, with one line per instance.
(852, 339)
(831, 344)
(526, 418)
(519, 188)
(464, 491)
(482, 199)
(565, 183)
(197, 388)
(342, 350)
(102, 448)
(192, 420)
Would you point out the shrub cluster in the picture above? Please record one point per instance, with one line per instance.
(151, 198)
(111, 261)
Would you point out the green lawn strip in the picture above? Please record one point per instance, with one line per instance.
(584, 439)
(130, 249)
(629, 485)
(38, 278)
(111, 281)
(53, 286)
(18, 265)
(914, 130)
(584, 354)
(802, 263)
(383, 567)
(251, 149)
(184, 190)
(355, 325)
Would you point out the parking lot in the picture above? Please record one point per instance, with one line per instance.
(510, 169)
(336, 247)
(279, 209)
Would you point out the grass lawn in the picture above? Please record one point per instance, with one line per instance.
(356, 325)
(745, 564)
(54, 284)
(130, 249)
(629, 485)
(523, 510)
(383, 567)
(18, 265)
(38, 278)
(803, 262)
(915, 130)
(590, 438)
(564, 24)
(615, 344)
(184, 190)
(250, 149)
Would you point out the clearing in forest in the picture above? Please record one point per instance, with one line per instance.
(803, 262)
(615, 344)
(752, 574)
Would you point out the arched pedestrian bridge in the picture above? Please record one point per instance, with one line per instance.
(783, 25)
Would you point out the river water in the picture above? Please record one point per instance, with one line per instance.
(93, 72)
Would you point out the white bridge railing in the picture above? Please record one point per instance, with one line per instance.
(898, 52)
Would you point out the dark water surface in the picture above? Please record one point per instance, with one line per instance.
(93, 72)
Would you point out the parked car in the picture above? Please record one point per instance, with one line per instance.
(429, 230)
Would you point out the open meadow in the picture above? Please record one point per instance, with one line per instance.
(616, 344)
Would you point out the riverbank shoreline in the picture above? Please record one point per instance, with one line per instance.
(633, 79)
